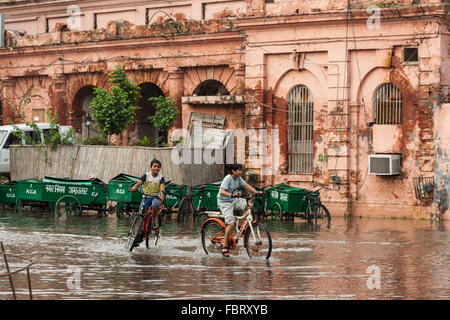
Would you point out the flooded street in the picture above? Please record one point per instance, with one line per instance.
(84, 258)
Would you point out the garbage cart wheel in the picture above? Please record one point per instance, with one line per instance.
(277, 212)
(68, 205)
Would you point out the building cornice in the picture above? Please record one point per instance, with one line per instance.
(123, 43)
(417, 12)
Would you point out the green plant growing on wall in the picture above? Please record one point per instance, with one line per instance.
(53, 138)
(165, 113)
(97, 140)
(115, 110)
(323, 157)
(145, 142)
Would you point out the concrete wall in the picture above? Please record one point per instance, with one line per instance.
(104, 163)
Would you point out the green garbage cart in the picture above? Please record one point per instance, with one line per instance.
(8, 192)
(72, 196)
(286, 201)
(174, 194)
(118, 192)
(30, 192)
(209, 197)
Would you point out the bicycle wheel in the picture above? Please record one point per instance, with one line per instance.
(182, 211)
(212, 236)
(135, 233)
(201, 217)
(309, 212)
(258, 209)
(259, 242)
(152, 237)
(165, 215)
(322, 212)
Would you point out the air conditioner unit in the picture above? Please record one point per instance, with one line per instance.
(385, 164)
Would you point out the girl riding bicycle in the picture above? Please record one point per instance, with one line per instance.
(153, 189)
(228, 202)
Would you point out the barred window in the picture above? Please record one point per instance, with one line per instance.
(388, 104)
(300, 130)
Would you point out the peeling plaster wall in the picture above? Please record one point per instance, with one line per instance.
(442, 159)
(278, 60)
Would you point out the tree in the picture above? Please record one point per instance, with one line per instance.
(115, 110)
(165, 113)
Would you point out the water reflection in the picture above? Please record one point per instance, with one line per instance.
(308, 261)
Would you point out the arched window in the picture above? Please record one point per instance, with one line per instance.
(300, 130)
(211, 88)
(388, 104)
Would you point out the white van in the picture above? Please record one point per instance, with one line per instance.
(7, 138)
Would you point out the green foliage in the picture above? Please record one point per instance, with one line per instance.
(176, 140)
(115, 110)
(323, 157)
(145, 142)
(166, 112)
(53, 139)
(97, 140)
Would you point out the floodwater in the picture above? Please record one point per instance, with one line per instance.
(357, 258)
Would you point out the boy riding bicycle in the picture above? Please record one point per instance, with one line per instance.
(227, 203)
(153, 189)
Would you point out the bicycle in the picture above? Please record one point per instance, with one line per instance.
(257, 238)
(141, 227)
(315, 208)
(187, 206)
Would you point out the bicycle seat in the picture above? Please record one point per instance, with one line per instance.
(214, 214)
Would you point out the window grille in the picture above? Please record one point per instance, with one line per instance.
(300, 130)
(388, 104)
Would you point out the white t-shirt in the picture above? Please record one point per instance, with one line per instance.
(151, 184)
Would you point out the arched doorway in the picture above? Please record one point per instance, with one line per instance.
(145, 128)
(82, 121)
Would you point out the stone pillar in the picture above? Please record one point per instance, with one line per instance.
(239, 71)
(176, 91)
(59, 98)
(8, 97)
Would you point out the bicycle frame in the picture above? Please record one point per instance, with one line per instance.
(148, 218)
(312, 199)
(239, 230)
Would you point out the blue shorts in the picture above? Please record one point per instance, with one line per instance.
(148, 202)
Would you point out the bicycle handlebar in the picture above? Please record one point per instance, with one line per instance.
(140, 191)
(309, 192)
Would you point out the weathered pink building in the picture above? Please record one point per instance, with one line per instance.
(356, 96)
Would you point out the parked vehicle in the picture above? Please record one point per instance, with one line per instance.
(7, 138)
